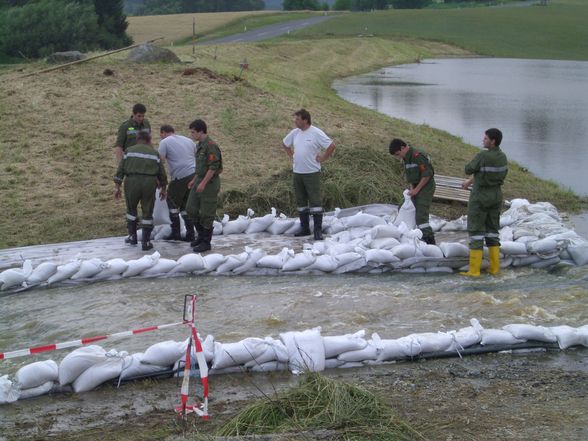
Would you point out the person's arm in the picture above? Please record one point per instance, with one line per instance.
(327, 154)
(120, 142)
(415, 189)
(118, 178)
(207, 177)
(467, 183)
(288, 150)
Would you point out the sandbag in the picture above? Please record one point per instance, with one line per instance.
(464, 338)
(369, 352)
(385, 231)
(395, 349)
(460, 224)
(325, 263)
(407, 212)
(384, 243)
(89, 268)
(380, 257)
(531, 332)
(275, 260)
(259, 224)
(95, 375)
(37, 391)
(9, 392)
(362, 220)
(335, 345)
(275, 351)
(431, 250)
(454, 249)
(64, 272)
(499, 337)
(253, 256)
(513, 248)
(566, 336)
(77, 361)
(546, 263)
(280, 225)
(160, 211)
(542, 246)
(236, 354)
(213, 261)
(11, 278)
(269, 366)
(162, 232)
(164, 353)
(236, 226)
(217, 228)
(133, 367)
(189, 263)
(349, 263)
(36, 374)
(112, 268)
(406, 250)
(233, 261)
(579, 253)
(432, 341)
(163, 266)
(137, 266)
(299, 261)
(306, 352)
(41, 273)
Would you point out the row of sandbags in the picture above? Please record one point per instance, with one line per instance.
(87, 367)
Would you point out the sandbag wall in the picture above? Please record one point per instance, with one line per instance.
(531, 235)
(87, 367)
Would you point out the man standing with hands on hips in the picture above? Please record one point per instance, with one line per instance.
(304, 145)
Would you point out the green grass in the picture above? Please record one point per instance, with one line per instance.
(555, 31)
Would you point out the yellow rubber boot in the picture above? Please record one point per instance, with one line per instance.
(494, 257)
(475, 263)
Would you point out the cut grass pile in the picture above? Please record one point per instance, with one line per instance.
(320, 402)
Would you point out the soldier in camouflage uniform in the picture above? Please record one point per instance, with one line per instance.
(128, 130)
(142, 172)
(205, 186)
(420, 175)
(488, 170)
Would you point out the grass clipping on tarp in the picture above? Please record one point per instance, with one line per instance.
(319, 402)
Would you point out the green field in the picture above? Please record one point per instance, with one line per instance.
(556, 31)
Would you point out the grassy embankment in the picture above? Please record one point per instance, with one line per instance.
(58, 129)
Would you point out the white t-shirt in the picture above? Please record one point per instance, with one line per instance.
(180, 154)
(307, 145)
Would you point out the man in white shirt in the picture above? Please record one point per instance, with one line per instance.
(308, 146)
(180, 154)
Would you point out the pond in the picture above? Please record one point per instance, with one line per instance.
(541, 106)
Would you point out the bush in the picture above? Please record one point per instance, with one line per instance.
(410, 4)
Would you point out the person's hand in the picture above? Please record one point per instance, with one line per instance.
(412, 192)
(191, 184)
(117, 194)
(466, 184)
(319, 158)
(200, 187)
(162, 194)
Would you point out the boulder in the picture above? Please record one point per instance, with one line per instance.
(65, 57)
(147, 53)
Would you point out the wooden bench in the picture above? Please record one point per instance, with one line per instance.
(448, 187)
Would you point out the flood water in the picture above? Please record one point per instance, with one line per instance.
(541, 106)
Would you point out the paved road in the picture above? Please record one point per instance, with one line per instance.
(270, 31)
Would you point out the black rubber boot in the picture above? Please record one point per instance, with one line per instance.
(190, 236)
(204, 245)
(317, 219)
(175, 229)
(304, 224)
(430, 240)
(200, 231)
(146, 239)
(132, 229)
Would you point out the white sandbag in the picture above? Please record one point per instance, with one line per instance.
(349, 263)
(113, 267)
(95, 375)
(236, 226)
(369, 352)
(253, 256)
(335, 249)
(325, 263)
(36, 374)
(89, 268)
(137, 266)
(306, 352)
(77, 361)
(9, 392)
(213, 261)
(160, 211)
(433, 341)
(233, 261)
(270, 366)
(133, 367)
(413, 270)
(406, 250)
(259, 224)
(394, 349)
(439, 269)
(37, 391)
(217, 228)
(498, 337)
(362, 220)
(162, 233)
(513, 248)
(280, 225)
(332, 363)
(527, 239)
(436, 223)
(65, 272)
(507, 220)
(384, 243)
(566, 336)
(11, 277)
(531, 332)
(335, 345)
(189, 263)
(165, 353)
(542, 246)
(429, 250)
(407, 212)
(163, 266)
(236, 354)
(526, 260)
(41, 273)
(275, 351)
(546, 263)
(385, 231)
(579, 253)
(506, 235)
(299, 261)
(331, 226)
(460, 224)
(454, 249)
(275, 260)
(464, 338)
(380, 257)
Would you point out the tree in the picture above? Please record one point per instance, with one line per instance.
(410, 4)
(112, 23)
(342, 5)
(297, 5)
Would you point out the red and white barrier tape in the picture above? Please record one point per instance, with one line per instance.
(82, 342)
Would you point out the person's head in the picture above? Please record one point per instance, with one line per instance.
(492, 138)
(198, 129)
(398, 148)
(302, 119)
(143, 137)
(139, 111)
(165, 131)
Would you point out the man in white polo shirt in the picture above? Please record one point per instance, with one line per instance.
(180, 154)
(308, 146)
